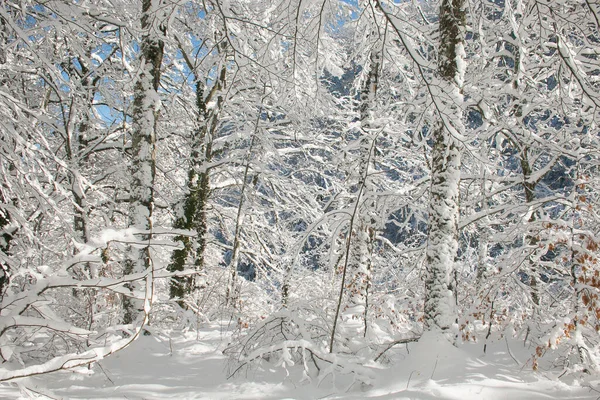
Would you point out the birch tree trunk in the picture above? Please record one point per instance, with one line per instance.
(143, 165)
(442, 244)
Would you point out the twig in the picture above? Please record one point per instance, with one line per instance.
(510, 352)
(409, 378)
(489, 332)
(41, 393)
(595, 390)
(104, 372)
(434, 367)
(563, 373)
(395, 342)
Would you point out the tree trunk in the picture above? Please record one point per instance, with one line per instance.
(357, 268)
(6, 231)
(522, 142)
(363, 233)
(143, 165)
(442, 243)
(6, 235)
(531, 240)
(232, 291)
(196, 199)
(76, 144)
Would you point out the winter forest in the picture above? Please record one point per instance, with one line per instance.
(327, 181)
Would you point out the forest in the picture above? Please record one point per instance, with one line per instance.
(330, 180)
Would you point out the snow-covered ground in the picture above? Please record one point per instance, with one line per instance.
(188, 367)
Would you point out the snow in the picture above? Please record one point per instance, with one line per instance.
(184, 367)
(461, 64)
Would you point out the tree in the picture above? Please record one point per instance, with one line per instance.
(357, 267)
(209, 102)
(146, 106)
(445, 169)
(311, 157)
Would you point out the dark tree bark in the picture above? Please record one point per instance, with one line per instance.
(195, 202)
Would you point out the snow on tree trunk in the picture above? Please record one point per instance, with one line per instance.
(75, 146)
(357, 270)
(232, 291)
(6, 230)
(6, 235)
(529, 183)
(196, 199)
(531, 240)
(143, 167)
(360, 264)
(81, 212)
(442, 244)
